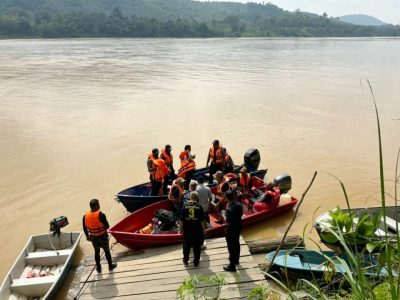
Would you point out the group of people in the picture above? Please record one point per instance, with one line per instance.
(191, 202)
(161, 166)
(194, 217)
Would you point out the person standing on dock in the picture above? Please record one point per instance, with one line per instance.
(192, 228)
(216, 160)
(234, 212)
(95, 227)
(166, 155)
(188, 166)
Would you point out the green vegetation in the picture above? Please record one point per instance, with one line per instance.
(168, 18)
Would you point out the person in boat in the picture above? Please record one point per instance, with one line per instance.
(176, 194)
(244, 183)
(192, 228)
(205, 196)
(269, 199)
(234, 212)
(95, 227)
(228, 161)
(222, 188)
(188, 165)
(215, 159)
(157, 170)
(192, 188)
(168, 158)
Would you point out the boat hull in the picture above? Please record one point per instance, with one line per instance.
(137, 197)
(126, 231)
(41, 267)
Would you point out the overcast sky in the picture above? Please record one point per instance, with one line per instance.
(386, 10)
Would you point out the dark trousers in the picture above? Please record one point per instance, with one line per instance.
(155, 187)
(195, 243)
(168, 180)
(188, 178)
(101, 242)
(233, 243)
(213, 169)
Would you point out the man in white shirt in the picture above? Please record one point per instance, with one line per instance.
(205, 198)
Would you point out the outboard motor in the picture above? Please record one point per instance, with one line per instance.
(252, 159)
(284, 182)
(57, 223)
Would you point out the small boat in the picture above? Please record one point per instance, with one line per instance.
(310, 264)
(138, 196)
(324, 224)
(127, 231)
(41, 267)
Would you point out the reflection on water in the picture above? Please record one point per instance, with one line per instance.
(78, 118)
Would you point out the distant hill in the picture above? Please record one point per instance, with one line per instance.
(169, 18)
(362, 20)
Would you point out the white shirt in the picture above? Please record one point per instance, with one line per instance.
(204, 195)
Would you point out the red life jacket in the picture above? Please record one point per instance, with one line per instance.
(93, 223)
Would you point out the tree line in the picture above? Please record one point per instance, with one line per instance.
(22, 23)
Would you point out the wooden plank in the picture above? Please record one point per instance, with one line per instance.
(157, 273)
(268, 245)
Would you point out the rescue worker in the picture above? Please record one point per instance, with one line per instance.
(157, 170)
(244, 182)
(166, 155)
(95, 227)
(193, 229)
(228, 161)
(234, 212)
(215, 159)
(176, 194)
(188, 165)
(269, 199)
(222, 188)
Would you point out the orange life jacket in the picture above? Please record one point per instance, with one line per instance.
(159, 168)
(168, 158)
(244, 182)
(218, 155)
(186, 164)
(93, 223)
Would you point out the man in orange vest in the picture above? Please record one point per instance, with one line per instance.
(215, 159)
(166, 155)
(188, 166)
(95, 227)
(157, 170)
(228, 161)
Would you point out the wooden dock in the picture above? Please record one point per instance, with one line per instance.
(157, 273)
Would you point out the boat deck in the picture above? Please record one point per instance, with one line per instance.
(157, 273)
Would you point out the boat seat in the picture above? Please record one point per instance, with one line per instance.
(32, 287)
(48, 258)
(390, 223)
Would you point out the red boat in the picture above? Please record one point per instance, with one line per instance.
(126, 232)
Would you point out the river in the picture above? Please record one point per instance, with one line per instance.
(78, 118)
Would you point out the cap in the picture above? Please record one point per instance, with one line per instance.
(180, 180)
(219, 174)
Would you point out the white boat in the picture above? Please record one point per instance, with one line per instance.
(41, 267)
(323, 224)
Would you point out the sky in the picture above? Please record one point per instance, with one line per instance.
(387, 11)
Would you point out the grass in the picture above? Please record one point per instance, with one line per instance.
(353, 284)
